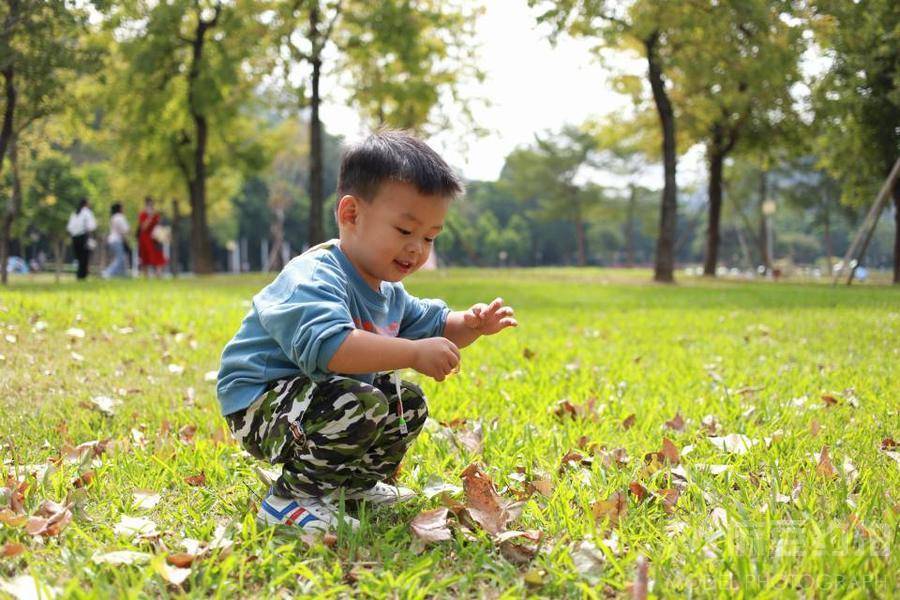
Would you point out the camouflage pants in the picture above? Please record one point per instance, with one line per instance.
(338, 433)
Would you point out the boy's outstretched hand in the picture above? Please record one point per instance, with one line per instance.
(488, 319)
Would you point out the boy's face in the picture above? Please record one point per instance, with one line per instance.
(390, 236)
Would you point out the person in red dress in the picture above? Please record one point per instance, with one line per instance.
(149, 250)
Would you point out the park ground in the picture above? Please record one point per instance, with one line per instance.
(739, 436)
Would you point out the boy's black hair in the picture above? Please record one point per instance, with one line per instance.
(393, 155)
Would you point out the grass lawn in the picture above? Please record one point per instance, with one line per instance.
(794, 368)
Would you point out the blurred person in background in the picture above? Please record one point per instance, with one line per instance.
(118, 231)
(81, 224)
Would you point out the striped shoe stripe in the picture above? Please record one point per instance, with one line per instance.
(294, 515)
(279, 514)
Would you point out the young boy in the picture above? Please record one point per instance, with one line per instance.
(303, 381)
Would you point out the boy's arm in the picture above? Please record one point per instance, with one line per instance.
(464, 327)
(365, 352)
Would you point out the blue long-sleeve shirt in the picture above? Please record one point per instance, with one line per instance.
(297, 322)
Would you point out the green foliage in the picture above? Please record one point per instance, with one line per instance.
(53, 196)
(409, 59)
(857, 101)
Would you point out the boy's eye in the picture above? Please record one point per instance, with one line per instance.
(429, 240)
(404, 231)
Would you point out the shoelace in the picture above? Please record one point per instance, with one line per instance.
(402, 421)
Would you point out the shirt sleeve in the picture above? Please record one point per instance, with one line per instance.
(422, 318)
(308, 322)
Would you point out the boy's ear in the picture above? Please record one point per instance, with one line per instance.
(347, 210)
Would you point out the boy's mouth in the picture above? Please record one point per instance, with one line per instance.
(403, 265)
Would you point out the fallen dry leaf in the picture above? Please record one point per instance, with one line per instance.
(483, 503)
(12, 519)
(588, 561)
(145, 499)
(435, 485)
(628, 422)
(574, 458)
(669, 498)
(613, 508)
(129, 526)
(11, 549)
(27, 587)
(676, 423)
(431, 525)
(710, 424)
(824, 466)
(518, 553)
(472, 439)
(814, 428)
(639, 491)
(173, 575)
(528, 353)
(733, 443)
(639, 587)
(83, 480)
(121, 557)
(181, 559)
(106, 405)
(196, 480)
(186, 433)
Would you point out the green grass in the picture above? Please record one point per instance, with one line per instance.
(634, 347)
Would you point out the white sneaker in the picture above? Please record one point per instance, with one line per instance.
(382, 493)
(306, 514)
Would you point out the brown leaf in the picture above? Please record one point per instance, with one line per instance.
(84, 480)
(617, 457)
(710, 424)
(483, 503)
(528, 353)
(543, 485)
(181, 560)
(574, 458)
(669, 498)
(196, 480)
(613, 508)
(670, 452)
(639, 588)
(12, 519)
(16, 494)
(472, 440)
(628, 422)
(676, 423)
(11, 549)
(888, 444)
(825, 468)
(639, 491)
(186, 433)
(814, 428)
(330, 540)
(431, 525)
(829, 399)
(36, 526)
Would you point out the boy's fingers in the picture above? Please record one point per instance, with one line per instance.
(509, 322)
(506, 311)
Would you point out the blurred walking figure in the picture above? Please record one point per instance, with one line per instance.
(118, 231)
(150, 252)
(81, 224)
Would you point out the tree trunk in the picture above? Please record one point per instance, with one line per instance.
(716, 159)
(316, 200)
(173, 243)
(580, 240)
(897, 232)
(59, 249)
(6, 132)
(763, 224)
(13, 208)
(826, 221)
(665, 244)
(201, 248)
(630, 225)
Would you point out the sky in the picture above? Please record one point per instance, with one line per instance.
(532, 86)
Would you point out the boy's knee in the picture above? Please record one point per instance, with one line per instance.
(355, 413)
